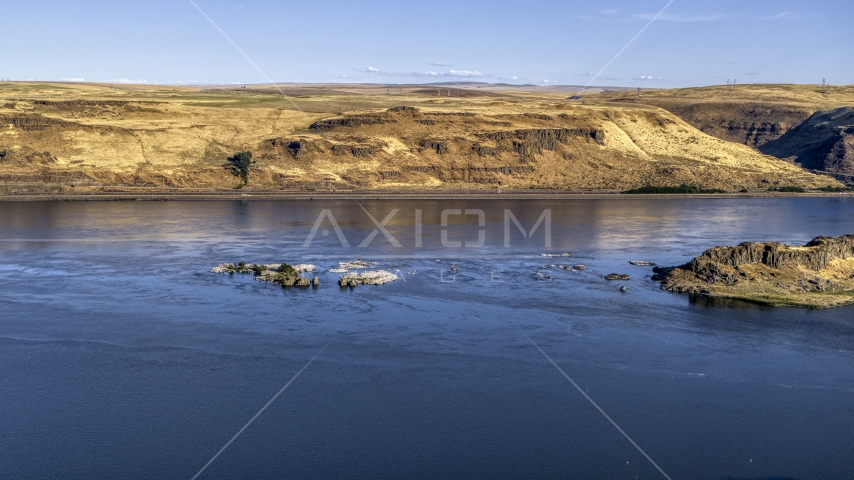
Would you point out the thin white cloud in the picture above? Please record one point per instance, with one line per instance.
(465, 73)
(134, 81)
(72, 79)
(462, 74)
(790, 16)
(646, 78)
(610, 11)
(440, 64)
(203, 82)
(586, 74)
(448, 74)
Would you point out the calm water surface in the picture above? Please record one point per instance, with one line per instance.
(122, 357)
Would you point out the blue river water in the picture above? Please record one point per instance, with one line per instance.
(122, 356)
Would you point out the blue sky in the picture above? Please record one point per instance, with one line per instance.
(537, 41)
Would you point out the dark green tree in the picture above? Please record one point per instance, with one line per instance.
(241, 163)
(288, 270)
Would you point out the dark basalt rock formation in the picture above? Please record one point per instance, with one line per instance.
(770, 272)
(508, 170)
(355, 150)
(753, 124)
(296, 148)
(351, 121)
(548, 138)
(451, 114)
(539, 116)
(530, 142)
(617, 276)
(485, 151)
(437, 146)
(34, 122)
(815, 255)
(81, 103)
(825, 141)
(404, 109)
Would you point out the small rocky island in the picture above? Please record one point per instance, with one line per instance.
(278, 273)
(288, 275)
(819, 274)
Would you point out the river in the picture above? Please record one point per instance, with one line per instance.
(122, 356)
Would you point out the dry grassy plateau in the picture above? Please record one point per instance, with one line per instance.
(58, 138)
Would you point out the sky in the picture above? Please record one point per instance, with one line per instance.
(542, 42)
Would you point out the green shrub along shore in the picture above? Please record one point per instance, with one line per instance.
(693, 189)
(684, 189)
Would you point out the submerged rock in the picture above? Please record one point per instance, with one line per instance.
(641, 263)
(617, 276)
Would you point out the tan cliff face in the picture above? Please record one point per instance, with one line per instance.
(810, 125)
(339, 138)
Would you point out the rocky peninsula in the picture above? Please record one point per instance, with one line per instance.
(819, 274)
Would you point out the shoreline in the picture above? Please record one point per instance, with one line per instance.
(391, 195)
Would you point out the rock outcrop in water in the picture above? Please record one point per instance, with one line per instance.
(377, 277)
(278, 273)
(617, 276)
(819, 274)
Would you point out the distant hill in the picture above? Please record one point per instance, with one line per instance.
(85, 137)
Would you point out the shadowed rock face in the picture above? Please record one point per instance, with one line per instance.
(30, 122)
(824, 142)
(750, 123)
(81, 103)
(815, 255)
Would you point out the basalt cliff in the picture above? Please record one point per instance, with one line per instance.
(819, 274)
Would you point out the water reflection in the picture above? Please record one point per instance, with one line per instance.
(722, 302)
